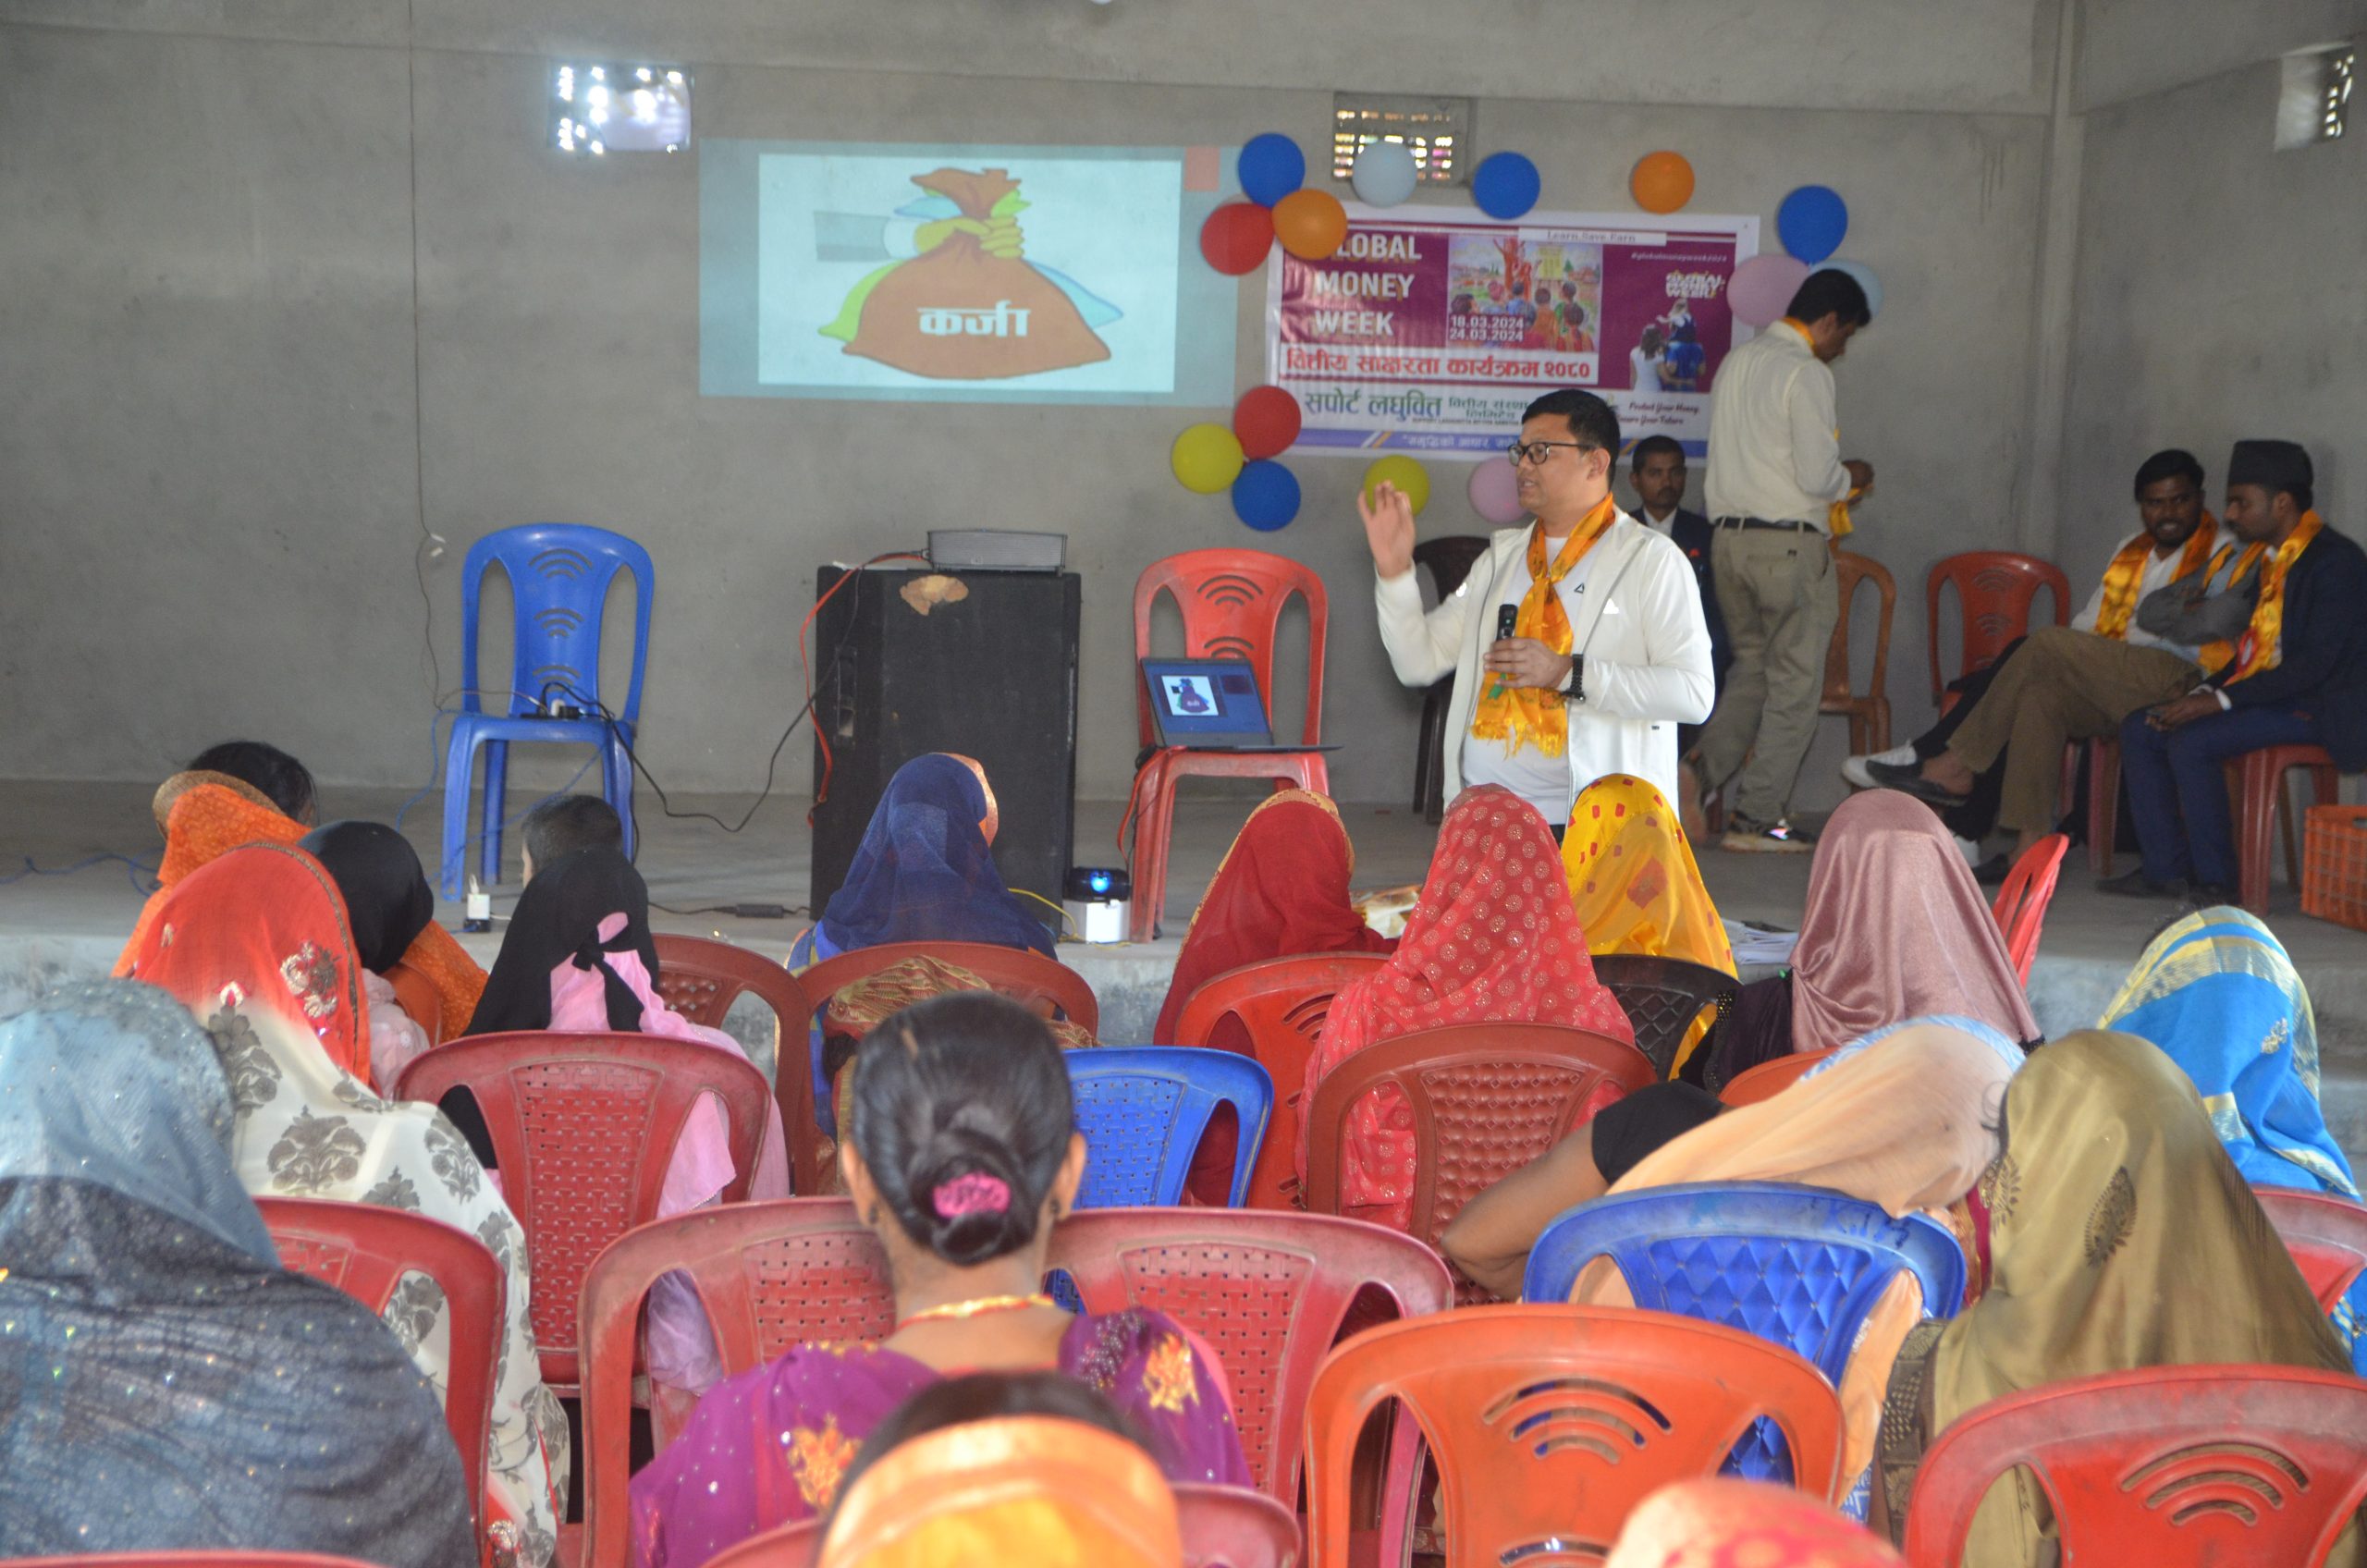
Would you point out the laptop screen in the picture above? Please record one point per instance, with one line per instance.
(1206, 698)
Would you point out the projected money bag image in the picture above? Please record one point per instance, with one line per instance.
(970, 307)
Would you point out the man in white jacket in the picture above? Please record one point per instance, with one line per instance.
(1608, 651)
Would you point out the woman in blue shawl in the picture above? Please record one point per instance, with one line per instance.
(2216, 992)
(925, 872)
(163, 1383)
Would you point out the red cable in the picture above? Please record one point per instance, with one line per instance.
(821, 733)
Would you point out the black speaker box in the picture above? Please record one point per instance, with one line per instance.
(991, 675)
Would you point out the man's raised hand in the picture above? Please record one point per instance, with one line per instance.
(1388, 529)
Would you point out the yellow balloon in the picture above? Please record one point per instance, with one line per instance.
(1409, 477)
(1207, 457)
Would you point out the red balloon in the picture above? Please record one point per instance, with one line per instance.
(1236, 238)
(1267, 420)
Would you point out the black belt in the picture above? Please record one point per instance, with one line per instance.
(1785, 525)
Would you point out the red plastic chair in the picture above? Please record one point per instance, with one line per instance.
(2163, 1466)
(2104, 799)
(1223, 1527)
(2258, 783)
(1549, 1423)
(366, 1251)
(1015, 971)
(2326, 1235)
(1282, 1003)
(422, 1001)
(584, 1127)
(167, 1559)
(1995, 590)
(1769, 1079)
(1232, 601)
(701, 978)
(1487, 1099)
(1869, 713)
(2021, 903)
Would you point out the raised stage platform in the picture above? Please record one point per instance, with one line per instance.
(67, 925)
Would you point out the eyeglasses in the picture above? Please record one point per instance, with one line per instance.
(1523, 452)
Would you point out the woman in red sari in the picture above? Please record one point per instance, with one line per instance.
(1491, 940)
(1281, 890)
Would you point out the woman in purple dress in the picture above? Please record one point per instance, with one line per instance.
(964, 1155)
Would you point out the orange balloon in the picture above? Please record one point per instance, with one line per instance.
(1311, 224)
(1662, 182)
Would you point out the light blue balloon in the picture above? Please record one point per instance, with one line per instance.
(1866, 280)
(1271, 166)
(1811, 222)
(1384, 174)
(1505, 185)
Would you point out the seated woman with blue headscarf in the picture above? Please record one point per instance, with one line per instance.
(925, 872)
(2216, 992)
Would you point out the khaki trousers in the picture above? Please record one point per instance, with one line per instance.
(2059, 686)
(1776, 593)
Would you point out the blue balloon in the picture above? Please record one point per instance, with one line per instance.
(1811, 222)
(1505, 185)
(1271, 166)
(1866, 280)
(1266, 496)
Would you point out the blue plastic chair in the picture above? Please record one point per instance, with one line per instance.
(1142, 1110)
(559, 574)
(1799, 1266)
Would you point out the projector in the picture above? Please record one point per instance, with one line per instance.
(996, 549)
(1096, 898)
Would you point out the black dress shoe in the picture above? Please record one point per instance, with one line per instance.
(2137, 885)
(1908, 779)
(2206, 895)
(1994, 871)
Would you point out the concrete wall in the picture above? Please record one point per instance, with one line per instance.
(218, 462)
(2135, 48)
(2219, 296)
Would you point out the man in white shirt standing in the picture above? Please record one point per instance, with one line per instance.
(1775, 474)
(1577, 642)
(2077, 682)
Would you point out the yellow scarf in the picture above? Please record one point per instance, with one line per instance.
(1528, 713)
(2121, 578)
(2261, 648)
(1836, 516)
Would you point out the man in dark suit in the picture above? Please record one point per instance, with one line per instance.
(2299, 678)
(1655, 466)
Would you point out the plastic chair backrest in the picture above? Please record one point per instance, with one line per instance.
(367, 1252)
(1486, 1098)
(1849, 569)
(1015, 971)
(1550, 1424)
(700, 978)
(1223, 1527)
(2162, 1466)
(422, 1002)
(1996, 591)
(2326, 1235)
(559, 575)
(1769, 1079)
(1282, 1002)
(584, 1127)
(1269, 1292)
(1662, 997)
(2021, 903)
(1142, 1110)
(1232, 601)
(1801, 1267)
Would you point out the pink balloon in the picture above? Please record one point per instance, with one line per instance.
(1762, 286)
(1495, 491)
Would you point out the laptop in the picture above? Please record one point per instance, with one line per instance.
(1211, 705)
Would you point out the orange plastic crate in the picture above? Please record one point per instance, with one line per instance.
(2334, 865)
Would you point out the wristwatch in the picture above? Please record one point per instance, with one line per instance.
(1576, 692)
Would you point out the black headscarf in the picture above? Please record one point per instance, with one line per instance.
(387, 900)
(558, 920)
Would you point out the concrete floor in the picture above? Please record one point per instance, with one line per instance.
(70, 924)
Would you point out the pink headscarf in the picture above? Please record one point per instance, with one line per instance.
(1896, 928)
(1491, 940)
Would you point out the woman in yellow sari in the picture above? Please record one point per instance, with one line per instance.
(1635, 887)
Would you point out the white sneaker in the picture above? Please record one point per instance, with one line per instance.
(1853, 772)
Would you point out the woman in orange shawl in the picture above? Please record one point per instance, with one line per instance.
(1281, 890)
(1492, 939)
(205, 812)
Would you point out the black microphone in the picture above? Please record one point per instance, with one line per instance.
(1507, 622)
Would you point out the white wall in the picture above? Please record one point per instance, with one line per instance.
(2137, 48)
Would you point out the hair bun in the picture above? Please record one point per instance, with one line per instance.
(963, 1188)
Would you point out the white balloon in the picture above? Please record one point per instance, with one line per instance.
(1384, 173)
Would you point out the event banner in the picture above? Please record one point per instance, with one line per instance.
(942, 273)
(1433, 328)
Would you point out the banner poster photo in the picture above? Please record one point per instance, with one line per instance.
(1431, 334)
